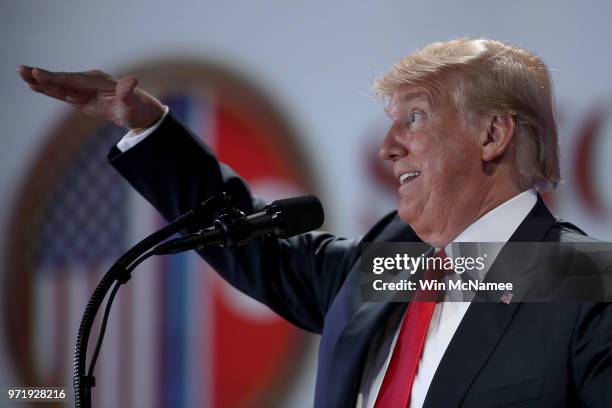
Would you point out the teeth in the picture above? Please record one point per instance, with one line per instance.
(412, 174)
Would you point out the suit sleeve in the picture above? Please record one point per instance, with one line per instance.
(297, 278)
(592, 354)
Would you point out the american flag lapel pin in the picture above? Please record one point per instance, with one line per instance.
(506, 298)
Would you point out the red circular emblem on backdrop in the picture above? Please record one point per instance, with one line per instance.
(584, 155)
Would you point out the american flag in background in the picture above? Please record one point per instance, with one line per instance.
(178, 336)
(82, 228)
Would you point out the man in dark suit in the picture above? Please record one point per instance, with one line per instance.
(472, 137)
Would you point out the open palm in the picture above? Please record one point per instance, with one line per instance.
(98, 95)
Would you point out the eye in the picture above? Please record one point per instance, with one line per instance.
(415, 119)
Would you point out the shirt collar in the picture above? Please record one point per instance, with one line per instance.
(494, 228)
(499, 224)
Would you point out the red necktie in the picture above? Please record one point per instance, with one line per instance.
(397, 385)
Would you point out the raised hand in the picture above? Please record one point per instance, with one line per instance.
(98, 95)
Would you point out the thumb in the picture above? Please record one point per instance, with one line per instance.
(125, 87)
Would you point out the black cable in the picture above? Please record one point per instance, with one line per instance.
(107, 310)
(139, 260)
(109, 304)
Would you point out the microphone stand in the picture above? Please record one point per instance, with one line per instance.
(119, 274)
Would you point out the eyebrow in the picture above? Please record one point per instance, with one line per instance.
(410, 96)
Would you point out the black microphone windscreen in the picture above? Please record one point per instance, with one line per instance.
(301, 214)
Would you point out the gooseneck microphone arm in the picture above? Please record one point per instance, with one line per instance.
(120, 273)
(283, 218)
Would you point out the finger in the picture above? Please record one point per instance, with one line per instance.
(76, 100)
(49, 91)
(43, 76)
(74, 80)
(25, 73)
(125, 87)
(97, 72)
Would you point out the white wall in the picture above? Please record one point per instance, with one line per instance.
(316, 58)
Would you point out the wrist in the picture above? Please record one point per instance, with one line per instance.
(153, 123)
(156, 115)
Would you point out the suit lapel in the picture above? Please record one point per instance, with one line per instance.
(352, 345)
(351, 350)
(471, 346)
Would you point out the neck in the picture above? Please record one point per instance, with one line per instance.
(463, 213)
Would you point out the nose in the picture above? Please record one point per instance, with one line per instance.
(391, 149)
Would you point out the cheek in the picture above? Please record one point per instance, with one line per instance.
(449, 164)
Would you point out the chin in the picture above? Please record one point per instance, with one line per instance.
(418, 223)
(407, 213)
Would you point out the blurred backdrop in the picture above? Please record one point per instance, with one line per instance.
(280, 90)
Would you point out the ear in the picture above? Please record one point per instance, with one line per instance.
(498, 137)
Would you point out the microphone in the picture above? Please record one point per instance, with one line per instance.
(282, 218)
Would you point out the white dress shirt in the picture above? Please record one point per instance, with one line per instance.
(497, 225)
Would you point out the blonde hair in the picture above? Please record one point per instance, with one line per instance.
(489, 77)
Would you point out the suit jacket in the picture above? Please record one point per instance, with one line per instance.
(517, 354)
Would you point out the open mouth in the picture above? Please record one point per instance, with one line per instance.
(409, 176)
